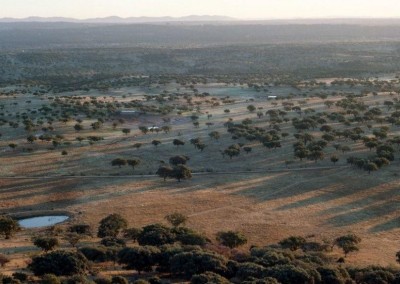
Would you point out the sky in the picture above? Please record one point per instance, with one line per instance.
(242, 9)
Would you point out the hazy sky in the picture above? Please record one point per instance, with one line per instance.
(266, 9)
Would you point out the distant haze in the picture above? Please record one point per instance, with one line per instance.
(241, 9)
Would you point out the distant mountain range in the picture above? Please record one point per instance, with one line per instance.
(119, 20)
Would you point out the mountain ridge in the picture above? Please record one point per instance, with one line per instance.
(120, 20)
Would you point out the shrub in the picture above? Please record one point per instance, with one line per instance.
(113, 242)
(156, 235)
(119, 280)
(208, 277)
(139, 258)
(59, 263)
(50, 279)
(231, 239)
(197, 262)
(46, 243)
(111, 225)
(81, 229)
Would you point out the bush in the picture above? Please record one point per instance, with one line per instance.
(132, 233)
(20, 276)
(111, 225)
(293, 243)
(288, 274)
(50, 279)
(155, 280)
(250, 270)
(81, 229)
(77, 279)
(176, 219)
(119, 280)
(156, 235)
(46, 243)
(208, 277)
(231, 239)
(102, 280)
(333, 275)
(141, 281)
(197, 262)
(187, 236)
(59, 263)
(8, 226)
(113, 242)
(139, 258)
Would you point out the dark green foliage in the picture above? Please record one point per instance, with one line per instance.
(102, 280)
(178, 160)
(266, 280)
(373, 275)
(293, 243)
(8, 226)
(187, 236)
(113, 242)
(46, 243)
(181, 172)
(119, 280)
(99, 253)
(176, 219)
(208, 278)
(288, 274)
(111, 225)
(196, 262)
(269, 257)
(139, 258)
(231, 239)
(132, 233)
(50, 279)
(155, 280)
(81, 229)
(333, 275)
(156, 235)
(348, 243)
(59, 263)
(20, 276)
(250, 270)
(119, 162)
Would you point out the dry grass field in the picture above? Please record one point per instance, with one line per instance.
(255, 193)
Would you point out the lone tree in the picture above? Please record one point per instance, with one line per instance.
(119, 162)
(370, 167)
(46, 243)
(215, 135)
(164, 172)
(126, 131)
(156, 142)
(293, 243)
(231, 239)
(8, 226)
(111, 225)
(178, 142)
(334, 159)
(180, 172)
(133, 163)
(348, 243)
(251, 108)
(178, 160)
(176, 219)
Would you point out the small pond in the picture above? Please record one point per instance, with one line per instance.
(42, 221)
